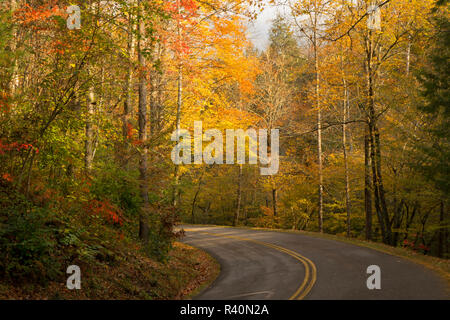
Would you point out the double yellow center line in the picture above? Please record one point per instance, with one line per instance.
(310, 268)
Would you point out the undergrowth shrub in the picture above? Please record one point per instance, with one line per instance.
(91, 222)
(28, 239)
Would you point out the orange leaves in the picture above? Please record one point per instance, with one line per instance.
(186, 28)
(190, 5)
(181, 9)
(40, 20)
(184, 47)
(7, 177)
(131, 136)
(16, 147)
(28, 14)
(232, 117)
(106, 210)
(58, 47)
(130, 131)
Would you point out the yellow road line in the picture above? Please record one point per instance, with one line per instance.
(310, 268)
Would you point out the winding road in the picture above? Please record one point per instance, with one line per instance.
(260, 264)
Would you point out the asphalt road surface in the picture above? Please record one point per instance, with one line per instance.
(259, 264)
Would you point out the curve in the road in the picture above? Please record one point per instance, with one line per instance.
(263, 264)
(310, 268)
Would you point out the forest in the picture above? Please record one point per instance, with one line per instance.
(358, 91)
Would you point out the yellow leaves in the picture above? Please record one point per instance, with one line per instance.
(217, 61)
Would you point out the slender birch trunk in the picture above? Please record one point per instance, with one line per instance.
(89, 131)
(319, 118)
(408, 56)
(14, 83)
(178, 116)
(178, 125)
(345, 108)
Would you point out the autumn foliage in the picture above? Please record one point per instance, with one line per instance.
(86, 119)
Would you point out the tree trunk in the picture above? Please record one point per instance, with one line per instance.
(14, 83)
(398, 211)
(347, 178)
(344, 146)
(380, 200)
(143, 161)
(193, 203)
(375, 183)
(89, 143)
(196, 196)
(156, 96)
(275, 201)
(245, 215)
(178, 124)
(409, 219)
(127, 106)
(408, 56)
(442, 234)
(367, 188)
(179, 105)
(375, 152)
(239, 197)
(319, 119)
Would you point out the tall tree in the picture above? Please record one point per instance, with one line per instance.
(310, 27)
(143, 124)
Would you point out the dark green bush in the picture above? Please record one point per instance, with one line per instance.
(119, 186)
(28, 240)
